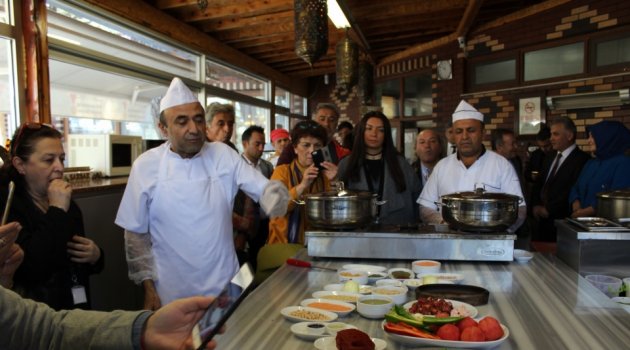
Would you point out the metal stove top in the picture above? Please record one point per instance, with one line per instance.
(437, 242)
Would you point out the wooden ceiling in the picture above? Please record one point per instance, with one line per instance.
(263, 29)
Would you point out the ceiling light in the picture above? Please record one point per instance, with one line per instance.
(336, 15)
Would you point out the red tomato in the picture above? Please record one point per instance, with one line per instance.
(465, 323)
(448, 332)
(472, 334)
(491, 328)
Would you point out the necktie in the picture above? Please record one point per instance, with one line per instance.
(552, 173)
(453, 149)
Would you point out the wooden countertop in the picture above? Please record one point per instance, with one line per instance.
(93, 185)
(544, 304)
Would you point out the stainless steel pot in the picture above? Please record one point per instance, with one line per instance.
(479, 210)
(614, 204)
(340, 210)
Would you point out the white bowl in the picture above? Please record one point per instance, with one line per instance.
(374, 277)
(522, 255)
(359, 276)
(426, 266)
(317, 303)
(397, 294)
(374, 310)
(393, 273)
(413, 283)
(389, 282)
(338, 287)
(315, 328)
(340, 296)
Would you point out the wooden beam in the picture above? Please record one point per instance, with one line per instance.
(524, 13)
(242, 22)
(260, 32)
(35, 36)
(469, 17)
(247, 9)
(449, 39)
(154, 19)
(383, 9)
(312, 72)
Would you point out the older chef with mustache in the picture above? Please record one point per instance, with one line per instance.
(177, 206)
(472, 165)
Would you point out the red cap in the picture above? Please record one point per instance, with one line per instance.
(279, 134)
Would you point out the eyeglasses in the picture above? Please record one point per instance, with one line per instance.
(19, 136)
(307, 125)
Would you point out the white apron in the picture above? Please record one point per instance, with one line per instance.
(191, 231)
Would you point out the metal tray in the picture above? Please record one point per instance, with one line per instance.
(597, 224)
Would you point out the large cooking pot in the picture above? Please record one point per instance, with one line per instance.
(340, 209)
(479, 210)
(614, 204)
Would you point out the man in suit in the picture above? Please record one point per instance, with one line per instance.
(251, 228)
(559, 172)
(429, 152)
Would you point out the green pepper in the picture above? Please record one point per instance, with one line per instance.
(431, 320)
(392, 316)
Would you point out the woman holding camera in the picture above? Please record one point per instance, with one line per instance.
(301, 177)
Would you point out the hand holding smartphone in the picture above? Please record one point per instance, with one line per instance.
(222, 307)
(323, 154)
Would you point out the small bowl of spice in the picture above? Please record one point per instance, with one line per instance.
(400, 273)
(316, 328)
(359, 276)
(426, 266)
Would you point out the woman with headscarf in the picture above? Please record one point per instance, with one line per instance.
(301, 177)
(375, 165)
(607, 171)
(58, 258)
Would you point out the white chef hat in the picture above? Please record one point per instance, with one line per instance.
(177, 94)
(466, 111)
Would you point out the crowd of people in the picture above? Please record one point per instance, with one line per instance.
(194, 208)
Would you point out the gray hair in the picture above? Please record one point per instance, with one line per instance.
(567, 123)
(324, 105)
(216, 108)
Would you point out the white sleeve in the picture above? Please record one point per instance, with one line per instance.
(133, 213)
(510, 183)
(139, 257)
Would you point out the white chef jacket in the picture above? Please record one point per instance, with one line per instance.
(450, 175)
(185, 204)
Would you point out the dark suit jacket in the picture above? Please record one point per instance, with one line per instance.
(559, 188)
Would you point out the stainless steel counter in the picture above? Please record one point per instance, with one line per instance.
(544, 303)
(593, 252)
(423, 241)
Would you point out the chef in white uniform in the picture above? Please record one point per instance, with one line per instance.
(472, 166)
(177, 206)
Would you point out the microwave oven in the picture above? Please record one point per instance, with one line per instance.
(112, 155)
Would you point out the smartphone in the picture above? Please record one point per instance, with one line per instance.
(323, 154)
(222, 307)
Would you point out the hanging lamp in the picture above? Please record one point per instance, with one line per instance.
(347, 53)
(311, 29)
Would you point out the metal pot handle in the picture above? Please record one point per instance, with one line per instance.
(380, 202)
(299, 202)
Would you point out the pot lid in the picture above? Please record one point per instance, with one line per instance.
(345, 195)
(480, 196)
(617, 194)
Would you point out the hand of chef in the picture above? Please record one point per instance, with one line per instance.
(83, 250)
(275, 199)
(330, 170)
(170, 327)
(59, 194)
(540, 212)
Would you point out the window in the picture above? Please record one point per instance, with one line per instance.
(283, 98)
(554, 62)
(494, 72)
(9, 111)
(418, 100)
(611, 52)
(98, 102)
(282, 122)
(226, 78)
(72, 26)
(388, 97)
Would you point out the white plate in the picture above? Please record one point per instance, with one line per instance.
(415, 342)
(327, 316)
(413, 283)
(329, 343)
(522, 255)
(471, 309)
(300, 331)
(338, 287)
(444, 276)
(325, 294)
(350, 307)
(367, 268)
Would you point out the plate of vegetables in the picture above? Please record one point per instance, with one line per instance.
(450, 332)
